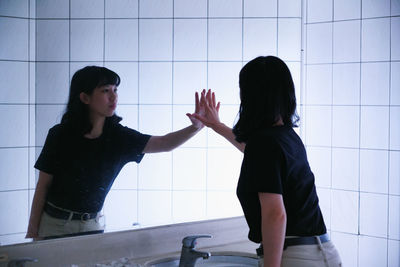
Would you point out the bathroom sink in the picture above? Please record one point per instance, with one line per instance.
(216, 260)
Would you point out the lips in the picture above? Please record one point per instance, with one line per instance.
(113, 106)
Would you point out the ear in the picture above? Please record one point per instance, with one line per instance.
(84, 98)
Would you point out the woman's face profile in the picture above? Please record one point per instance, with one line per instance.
(103, 100)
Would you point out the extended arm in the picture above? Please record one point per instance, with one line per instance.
(38, 202)
(211, 119)
(273, 227)
(172, 140)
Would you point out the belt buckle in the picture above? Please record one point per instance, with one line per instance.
(85, 217)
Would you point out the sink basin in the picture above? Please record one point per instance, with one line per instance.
(216, 260)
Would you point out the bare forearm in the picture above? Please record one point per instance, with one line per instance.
(227, 133)
(170, 141)
(38, 202)
(273, 236)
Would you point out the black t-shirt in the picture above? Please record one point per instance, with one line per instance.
(275, 161)
(84, 169)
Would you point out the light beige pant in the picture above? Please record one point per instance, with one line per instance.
(324, 255)
(50, 226)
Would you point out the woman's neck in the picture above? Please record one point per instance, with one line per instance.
(97, 127)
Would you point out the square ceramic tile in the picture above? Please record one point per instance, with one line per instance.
(347, 246)
(52, 82)
(189, 77)
(372, 251)
(289, 8)
(345, 128)
(227, 114)
(394, 173)
(219, 177)
(395, 84)
(223, 79)
(375, 40)
(345, 169)
(121, 39)
(154, 208)
(324, 197)
(87, 40)
(188, 206)
(14, 130)
(225, 39)
(155, 172)
(347, 9)
(319, 11)
(393, 253)
(127, 178)
(320, 163)
(32, 125)
(15, 77)
(52, 9)
(180, 121)
(87, 9)
(189, 169)
(120, 210)
(346, 41)
(373, 8)
(289, 39)
(155, 83)
(260, 38)
(395, 38)
(14, 166)
(190, 39)
(32, 40)
(374, 167)
(46, 117)
(375, 83)
(295, 70)
(318, 126)
(223, 205)
(373, 215)
(14, 36)
(161, 113)
(374, 127)
(15, 205)
(121, 8)
(260, 8)
(52, 38)
(190, 8)
(395, 7)
(155, 8)
(346, 84)
(345, 211)
(155, 39)
(129, 114)
(128, 88)
(225, 8)
(14, 8)
(394, 217)
(319, 84)
(32, 82)
(319, 43)
(394, 128)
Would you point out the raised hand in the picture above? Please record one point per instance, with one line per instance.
(199, 111)
(210, 118)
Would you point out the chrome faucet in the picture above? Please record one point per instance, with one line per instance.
(20, 262)
(189, 255)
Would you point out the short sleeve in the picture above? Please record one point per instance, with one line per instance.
(48, 159)
(133, 143)
(263, 163)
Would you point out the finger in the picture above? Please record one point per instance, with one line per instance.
(218, 105)
(197, 102)
(209, 98)
(213, 99)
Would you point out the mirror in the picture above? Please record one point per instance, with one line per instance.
(163, 51)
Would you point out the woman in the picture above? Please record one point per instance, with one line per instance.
(85, 152)
(276, 186)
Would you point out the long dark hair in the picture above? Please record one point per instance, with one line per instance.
(85, 80)
(267, 94)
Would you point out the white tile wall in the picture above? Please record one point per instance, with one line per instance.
(394, 217)
(320, 163)
(15, 205)
(87, 42)
(14, 79)
(319, 84)
(319, 11)
(225, 8)
(345, 169)
(155, 8)
(46, 117)
(375, 81)
(394, 173)
(395, 84)
(189, 169)
(373, 214)
(318, 126)
(14, 174)
(155, 39)
(14, 130)
(375, 39)
(395, 128)
(225, 39)
(151, 201)
(347, 245)
(155, 172)
(260, 38)
(372, 251)
(374, 171)
(260, 8)
(189, 206)
(347, 9)
(52, 82)
(395, 7)
(185, 84)
(346, 84)
(15, 41)
(289, 39)
(14, 8)
(121, 8)
(128, 88)
(287, 8)
(120, 209)
(52, 9)
(222, 204)
(345, 127)
(154, 90)
(190, 39)
(345, 211)
(121, 39)
(319, 43)
(52, 39)
(346, 41)
(87, 9)
(393, 253)
(190, 8)
(374, 127)
(395, 38)
(373, 8)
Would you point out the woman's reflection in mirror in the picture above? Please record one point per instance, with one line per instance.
(84, 153)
